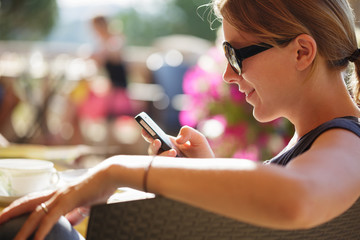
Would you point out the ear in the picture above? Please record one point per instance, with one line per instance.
(306, 50)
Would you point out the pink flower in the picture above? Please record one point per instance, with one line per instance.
(188, 118)
(238, 130)
(263, 140)
(199, 83)
(236, 95)
(217, 55)
(221, 119)
(251, 154)
(94, 107)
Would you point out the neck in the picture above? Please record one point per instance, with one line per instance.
(323, 100)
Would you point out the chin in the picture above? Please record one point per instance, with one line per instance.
(263, 116)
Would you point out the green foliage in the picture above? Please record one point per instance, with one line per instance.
(27, 19)
(197, 18)
(175, 17)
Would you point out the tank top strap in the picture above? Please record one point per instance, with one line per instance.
(349, 123)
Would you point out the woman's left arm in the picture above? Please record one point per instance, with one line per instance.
(331, 169)
(314, 188)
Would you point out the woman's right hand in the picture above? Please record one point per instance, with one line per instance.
(190, 142)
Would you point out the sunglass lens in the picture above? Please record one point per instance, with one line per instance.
(231, 57)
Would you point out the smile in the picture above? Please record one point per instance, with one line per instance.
(249, 93)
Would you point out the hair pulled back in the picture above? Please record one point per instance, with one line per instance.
(277, 22)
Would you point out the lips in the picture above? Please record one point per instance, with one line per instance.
(248, 93)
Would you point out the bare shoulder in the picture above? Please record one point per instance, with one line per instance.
(337, 145)
(330, 171)
(340, 145)
(333, 160)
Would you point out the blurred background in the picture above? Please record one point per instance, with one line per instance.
(77, 72)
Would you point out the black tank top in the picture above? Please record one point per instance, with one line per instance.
(117, 73)
(349, 123)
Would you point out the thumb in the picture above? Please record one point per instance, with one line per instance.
(189, 136)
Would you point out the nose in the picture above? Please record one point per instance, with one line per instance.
(229, 74)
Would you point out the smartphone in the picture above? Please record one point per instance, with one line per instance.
(155, 132)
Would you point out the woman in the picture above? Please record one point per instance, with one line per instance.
(288, 58)
(109, 56)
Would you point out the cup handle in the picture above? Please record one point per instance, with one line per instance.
(55, 178)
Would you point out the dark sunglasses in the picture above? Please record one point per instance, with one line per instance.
(236, 56)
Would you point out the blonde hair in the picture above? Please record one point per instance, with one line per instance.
(277, 22)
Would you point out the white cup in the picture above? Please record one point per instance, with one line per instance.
(19, 177)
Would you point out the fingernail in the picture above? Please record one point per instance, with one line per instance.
(172, 153)
(179, 137)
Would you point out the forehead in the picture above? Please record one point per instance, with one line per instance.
(236, 37)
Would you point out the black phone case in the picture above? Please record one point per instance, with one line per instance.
(154, 130)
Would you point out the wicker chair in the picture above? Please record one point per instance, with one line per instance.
(162, 218)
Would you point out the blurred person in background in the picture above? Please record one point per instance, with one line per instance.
(288, 57)
(110, 57)
(103, 100)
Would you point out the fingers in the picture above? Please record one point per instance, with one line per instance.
(155, 147)
(46, 221)
(23, 205)
(186, 143)
(43, 218)
(155, 144)
(170, 153)
(189, 135)
(146, 136)
(68, 199)
(192, 143)
(31, 223)
(189, 142)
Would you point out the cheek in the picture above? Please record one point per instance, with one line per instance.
(270, 69)
(271, 81)
(262, 76)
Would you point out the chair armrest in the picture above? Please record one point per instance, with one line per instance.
(163, 218)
